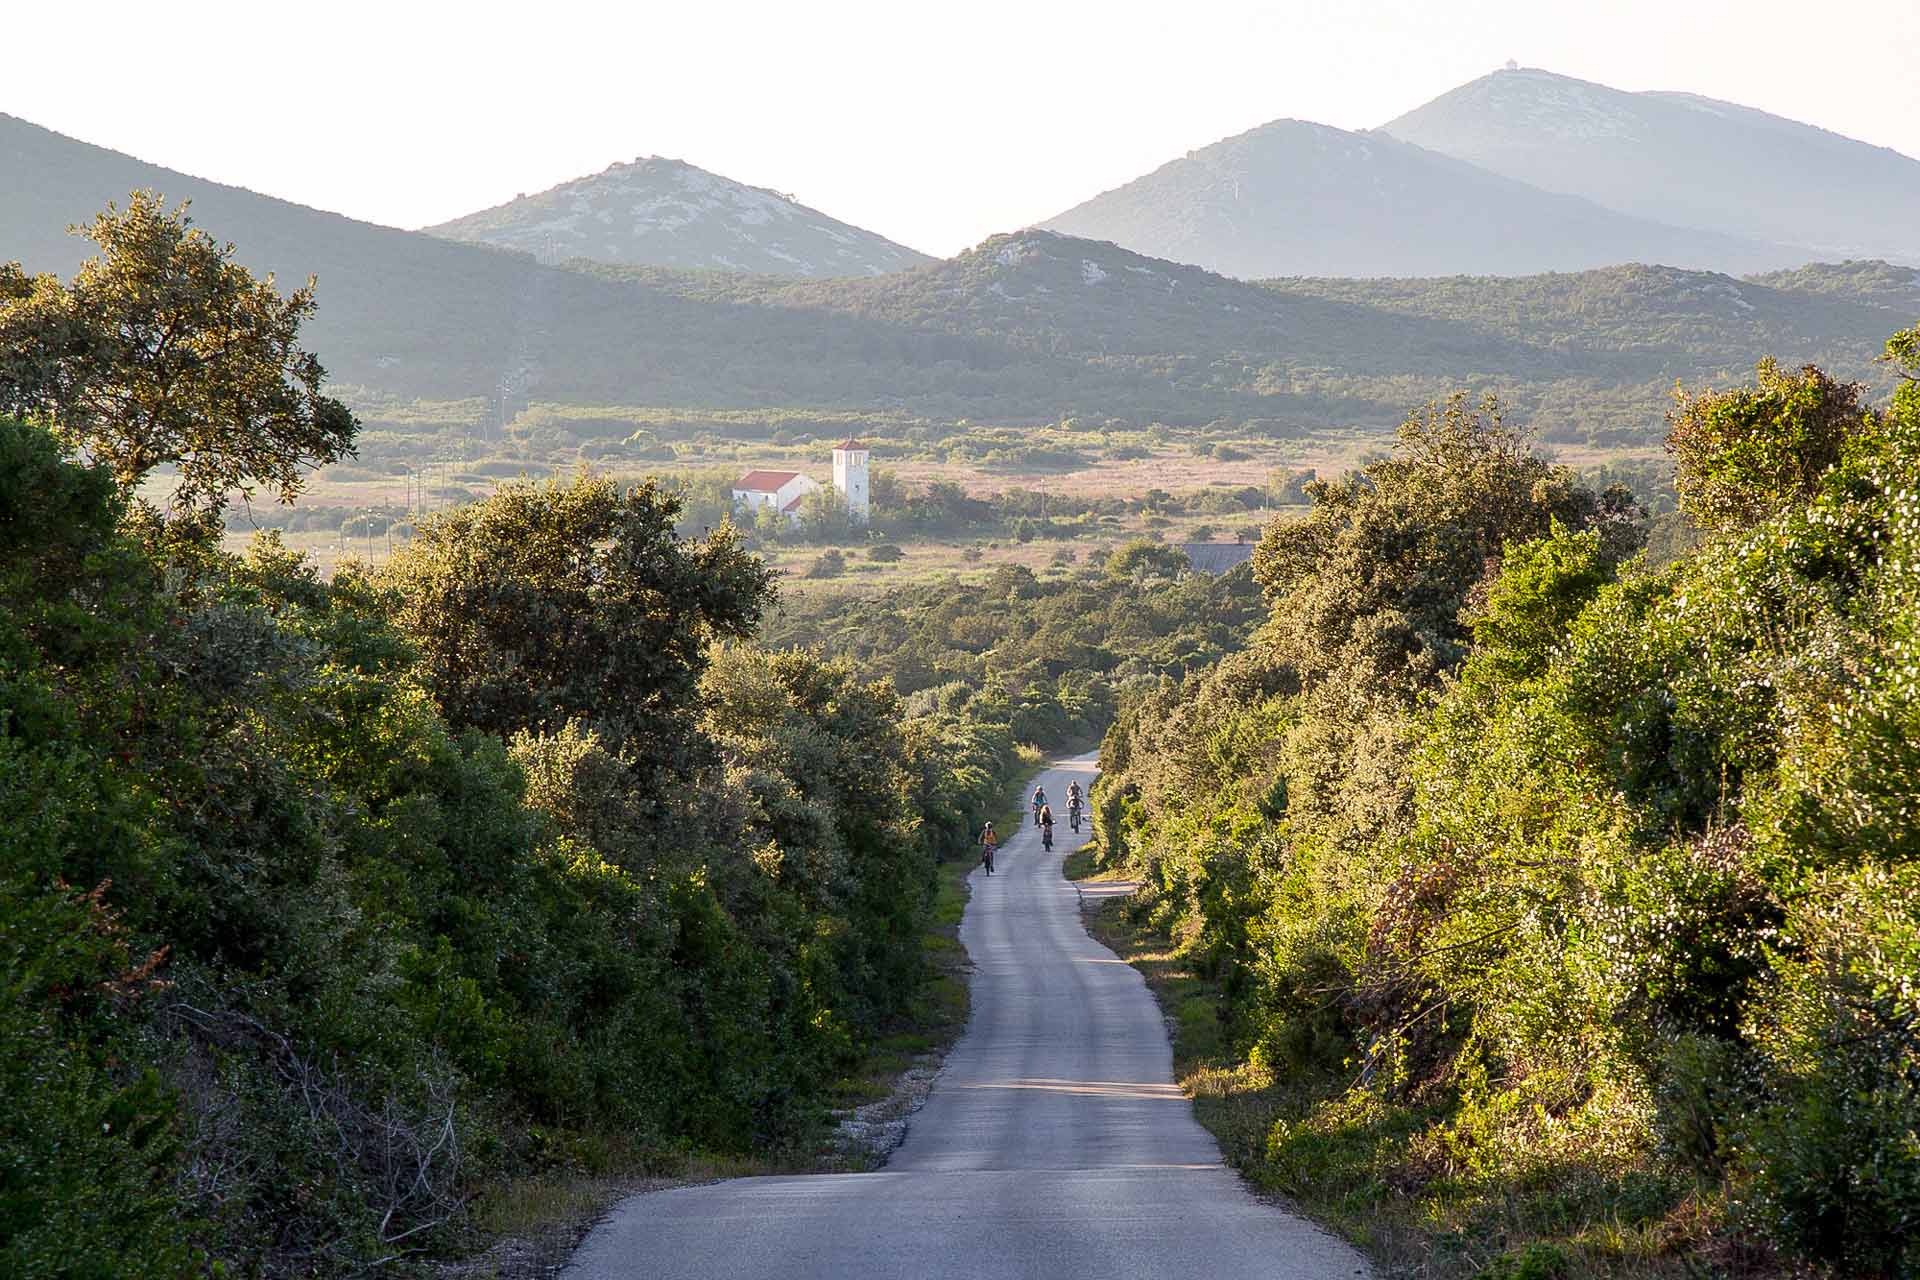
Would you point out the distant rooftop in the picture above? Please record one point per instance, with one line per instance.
(1217, 557)
(764, 481)
(849, 443)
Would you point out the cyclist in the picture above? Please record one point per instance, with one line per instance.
(1046, 827)
(987, 842)
(1039, 802)
(1073, 805)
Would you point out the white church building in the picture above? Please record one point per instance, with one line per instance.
(784, 491)
(781, 490)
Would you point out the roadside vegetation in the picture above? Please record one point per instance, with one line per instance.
(355, 919)
(1537, 873)
(332, 903)
(1532, 906)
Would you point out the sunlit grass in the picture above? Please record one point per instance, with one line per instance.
(1356, 1169)
(525, 1206)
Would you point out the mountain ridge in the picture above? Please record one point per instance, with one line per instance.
(1025, 327)
(1294, 197)
(389, 300)
(656, 211)
(1681, 158)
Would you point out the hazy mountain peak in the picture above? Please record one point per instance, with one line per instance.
(1547, 103)
(1679, 158)
(1293, 197)
(659, 211)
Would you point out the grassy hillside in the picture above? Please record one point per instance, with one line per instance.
(1632, 331)
(1056, 325)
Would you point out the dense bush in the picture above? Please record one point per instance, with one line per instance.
(323, 903)
(1741, 455)
(1596, 872)
(1041, 656)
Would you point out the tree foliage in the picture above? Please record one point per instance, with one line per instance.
(298, 957)
(1742, 454)
(1566, 884)
(556, 602)
(163, 350)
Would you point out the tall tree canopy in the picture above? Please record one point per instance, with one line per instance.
(556, 602)
(164, 350)
(1742, 453)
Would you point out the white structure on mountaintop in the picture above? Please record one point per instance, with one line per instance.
(850, 477)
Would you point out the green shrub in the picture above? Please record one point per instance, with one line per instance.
(89, 1136)
(1742, 454)
(1533, 1262)
(358, 958)
(1829, 1166)
(1604, 869)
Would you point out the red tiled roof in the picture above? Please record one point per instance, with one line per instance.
(764, 481)
(794, 505)
(849, 443)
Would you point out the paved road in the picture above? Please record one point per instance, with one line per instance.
(1055, 1143)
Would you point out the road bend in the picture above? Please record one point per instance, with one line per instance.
(1055, 1143)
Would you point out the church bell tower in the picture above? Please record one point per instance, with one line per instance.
(850, 477)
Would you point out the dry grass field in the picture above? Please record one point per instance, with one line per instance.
(1173, 462)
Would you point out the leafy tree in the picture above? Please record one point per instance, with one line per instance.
(825, 767)
(1542, 586)
(1144, 559)
(885, 492)
(1741, 454)
(554, 602)
(823, 516)
(163, 350)
(1554, 842)
(1369, 584)
(1289, 485)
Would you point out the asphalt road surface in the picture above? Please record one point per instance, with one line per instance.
(1055, 1143)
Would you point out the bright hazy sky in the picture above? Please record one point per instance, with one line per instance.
(937, 124)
